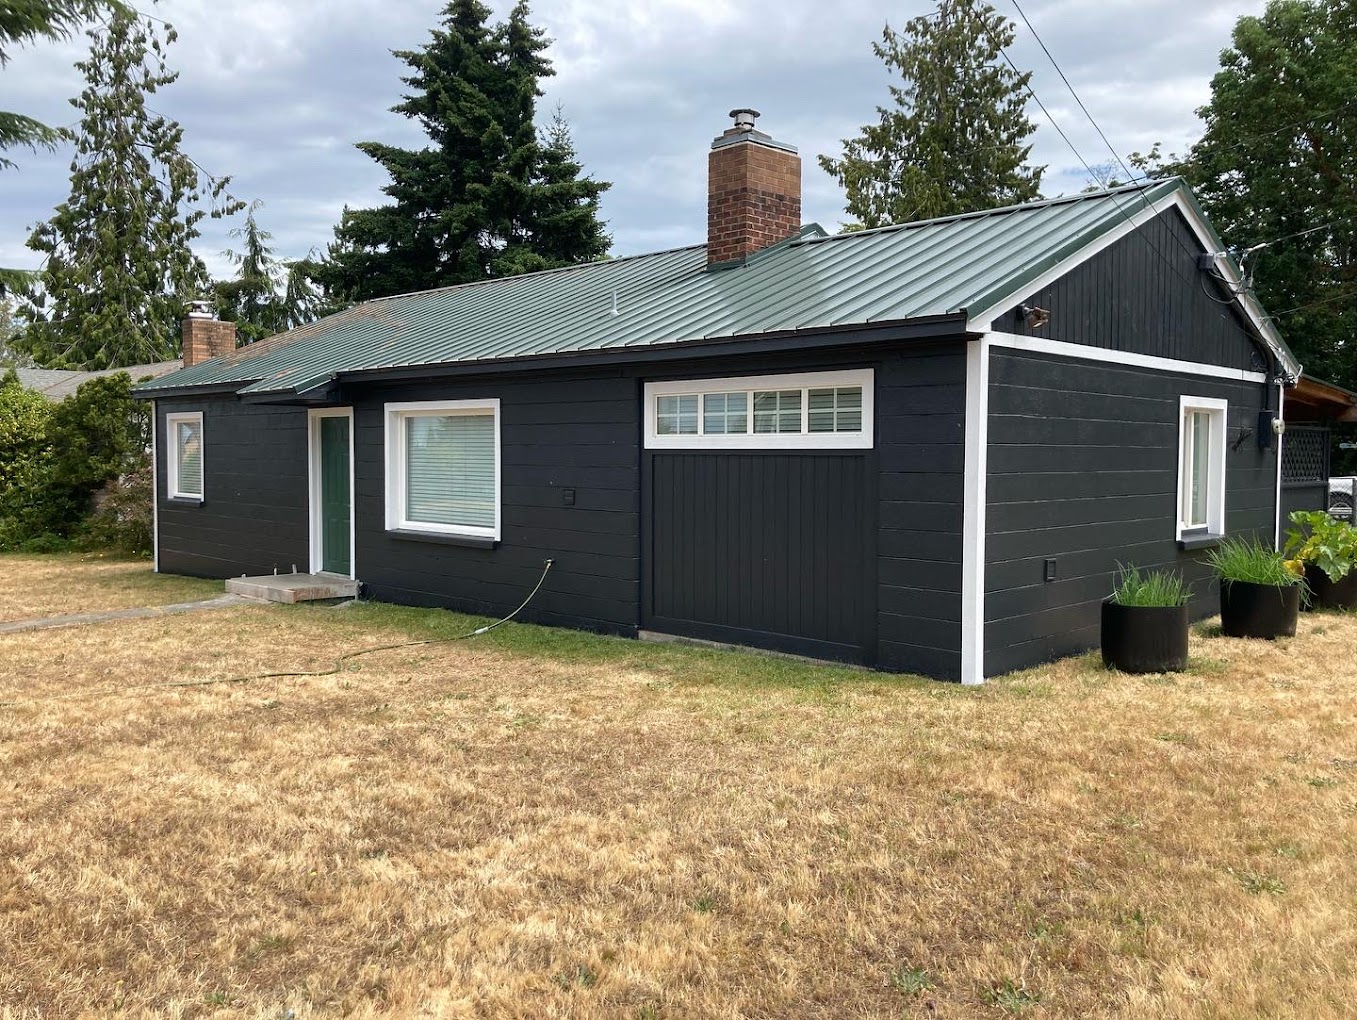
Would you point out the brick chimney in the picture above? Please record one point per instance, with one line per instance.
(753, 192)
(206, 336)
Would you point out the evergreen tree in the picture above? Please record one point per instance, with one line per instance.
(23, 21)
(954, 139)
(118, 271)
(486, 197)
(1279, 157)
(267, 295)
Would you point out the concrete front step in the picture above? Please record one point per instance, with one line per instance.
(293, 587)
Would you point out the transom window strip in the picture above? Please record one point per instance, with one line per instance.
(782, 411)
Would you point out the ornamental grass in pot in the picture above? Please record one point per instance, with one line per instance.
(1324, 549)
(1144, 622)
(1259, 594)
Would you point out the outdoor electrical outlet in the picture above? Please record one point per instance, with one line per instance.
(568, 497)
(1050, 569)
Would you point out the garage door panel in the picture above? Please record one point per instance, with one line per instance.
(765, 545)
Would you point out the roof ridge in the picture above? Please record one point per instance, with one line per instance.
(536, 272)
(1002, 210)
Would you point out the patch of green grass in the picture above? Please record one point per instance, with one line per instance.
(677, 665)
(1258, 884)
(1322, 782)
(1208, 630)
(1204, 665)
(704, 904)
(1174, 737)
(216, 999)
(911, 981)
(1010, 997)
(579, 976)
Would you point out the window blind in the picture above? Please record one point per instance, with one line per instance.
(450, 469)
(189, 443)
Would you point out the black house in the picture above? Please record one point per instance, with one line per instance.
(925, 448)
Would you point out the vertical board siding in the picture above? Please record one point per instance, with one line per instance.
(1083, 462)
(556, 434)
(1144, 294)
(771, 545)
(253, 518)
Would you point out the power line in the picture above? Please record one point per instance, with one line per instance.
(1040, 42)
(1026, 80)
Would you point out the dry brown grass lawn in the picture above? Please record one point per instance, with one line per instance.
(544, 824)
(61, 583)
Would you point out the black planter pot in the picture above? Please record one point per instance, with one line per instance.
(1145, 639)
(1258, 610)
(1340, 594)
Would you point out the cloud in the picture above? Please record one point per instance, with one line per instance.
(275, 95)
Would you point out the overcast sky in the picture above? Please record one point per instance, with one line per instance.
(276, 93)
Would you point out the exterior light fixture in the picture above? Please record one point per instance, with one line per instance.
(1034, 317)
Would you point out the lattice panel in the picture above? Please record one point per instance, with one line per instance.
(1305, 454)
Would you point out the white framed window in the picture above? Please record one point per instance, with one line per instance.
(1201, 466)
(185, 463)
(811, 410)
(443, 467)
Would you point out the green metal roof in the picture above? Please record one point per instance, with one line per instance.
(959, 264)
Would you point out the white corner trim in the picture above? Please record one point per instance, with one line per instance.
(1281, 413)
(750, 440)
(395, 416)
(1084, 352)
(313, 486)
(172, 489)
(1219, 435)
(973, 512)
(155, 491)
(983, 320)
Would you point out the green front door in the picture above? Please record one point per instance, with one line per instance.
(334, 494)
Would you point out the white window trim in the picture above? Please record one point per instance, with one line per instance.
(172, 458)
(313, 480)
(1215, 491)
(396, 417)
(803, 440)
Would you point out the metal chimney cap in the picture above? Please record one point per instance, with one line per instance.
(201, 310)
(744, 118)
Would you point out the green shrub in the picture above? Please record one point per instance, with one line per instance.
(1248, 559)
(1152, 588)
(1318, 539)
(53, 458)
(122, 516)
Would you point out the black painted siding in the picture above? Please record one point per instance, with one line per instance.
(920, 443)
(565, 431)
(1083, 462)
(253, 516)
(582, 431)
(1145, 294)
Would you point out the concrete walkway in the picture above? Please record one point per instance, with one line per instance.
(138, 613)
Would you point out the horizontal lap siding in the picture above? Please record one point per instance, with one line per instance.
(555, 433)
(920, 433)
(1083, 461)
(1145, 294)
(253, 517)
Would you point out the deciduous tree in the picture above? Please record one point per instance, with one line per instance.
(1277, 166)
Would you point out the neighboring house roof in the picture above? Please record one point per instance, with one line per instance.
(959, 266)
(58, 384)
(1314, 399)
